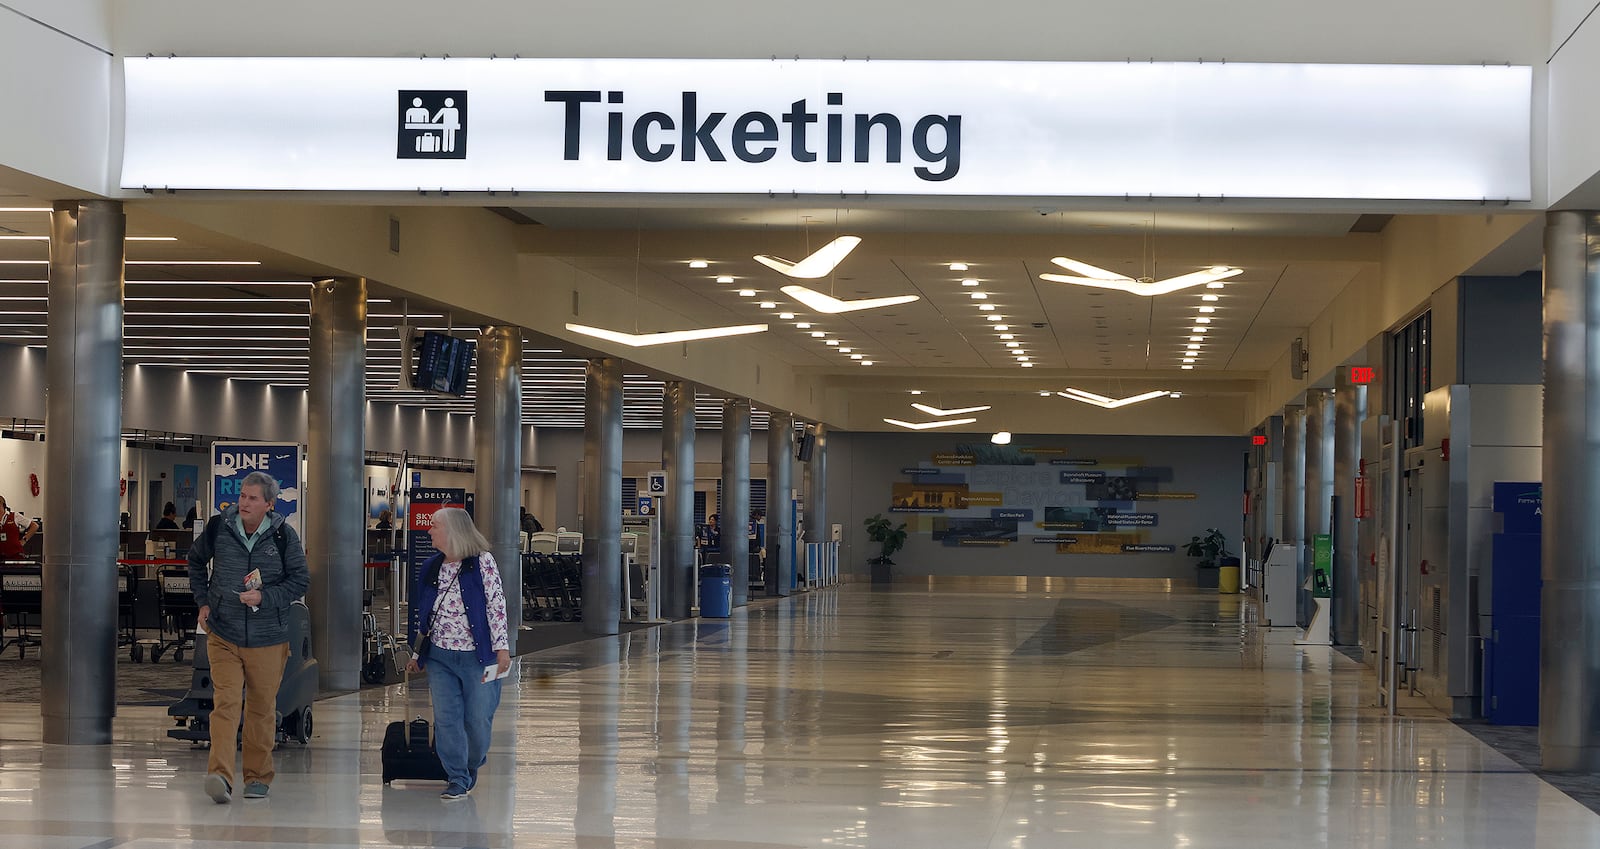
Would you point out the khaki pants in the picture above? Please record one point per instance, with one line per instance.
(236, 671)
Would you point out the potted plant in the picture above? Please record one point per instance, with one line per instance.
(1209, 548)
(890, 538)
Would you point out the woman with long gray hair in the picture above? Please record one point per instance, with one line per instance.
(458, 629)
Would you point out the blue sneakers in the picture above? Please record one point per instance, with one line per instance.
(454, 792)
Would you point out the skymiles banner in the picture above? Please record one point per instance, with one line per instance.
(706, 126)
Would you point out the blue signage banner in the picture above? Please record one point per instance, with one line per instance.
(232, 462)
(1521, 505)
(425, 501)
(185, 487)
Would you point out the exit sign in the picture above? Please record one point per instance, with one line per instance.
(1258, 439)
(1363, 374)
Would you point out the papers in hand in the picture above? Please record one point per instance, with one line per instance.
(492, 673)
(252, 581)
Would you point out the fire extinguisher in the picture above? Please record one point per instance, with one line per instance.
(123, 487)
(33, 484)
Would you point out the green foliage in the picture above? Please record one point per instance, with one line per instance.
(1208, 548)
(886, 534)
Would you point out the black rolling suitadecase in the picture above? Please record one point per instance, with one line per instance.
(408, 753)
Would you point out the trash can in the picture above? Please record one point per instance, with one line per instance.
(716, 590)
(1228, 575)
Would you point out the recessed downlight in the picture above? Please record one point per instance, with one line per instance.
(958, 266)
(768, 305)
(1186, 368)
(866, 362)
(724, 279)
(855, 356)
(1002, 327)
(831, 342)
(785, 316)
(994, 317)
(747, 293)
(1202, 320)
(1215, 284)
(1013, 344)
(1209, 298)
(803, 325)
(979, 296)
(699, 263)
(845, 350)
(817, 334)
(1026, 365)
(1208, 309)
(1008, 336)
(970, 281)
(1188, 359)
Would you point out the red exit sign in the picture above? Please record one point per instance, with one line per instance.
(1258, 439)
(1363, 374)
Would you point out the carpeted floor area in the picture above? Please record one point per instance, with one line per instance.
(1521, 744)
(160, 684)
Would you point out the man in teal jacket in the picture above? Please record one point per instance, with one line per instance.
(258, 569)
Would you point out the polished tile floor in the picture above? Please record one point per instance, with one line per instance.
(961, 713)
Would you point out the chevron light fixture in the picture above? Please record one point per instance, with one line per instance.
(830, 305)
(1111, 403)
(820, 264)
(929, 425)
(641, 340)
(935, 411)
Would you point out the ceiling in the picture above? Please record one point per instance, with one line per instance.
(189, 306)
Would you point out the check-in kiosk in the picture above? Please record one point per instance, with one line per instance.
(641, 568)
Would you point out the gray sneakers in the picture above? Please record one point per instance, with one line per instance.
(255, 790)
(217, 788)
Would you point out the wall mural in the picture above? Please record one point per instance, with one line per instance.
(996, 495)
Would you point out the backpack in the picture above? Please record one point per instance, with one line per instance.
(279, 536)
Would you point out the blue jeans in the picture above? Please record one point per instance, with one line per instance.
(463, 712)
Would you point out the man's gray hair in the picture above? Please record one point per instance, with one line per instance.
(268, 484)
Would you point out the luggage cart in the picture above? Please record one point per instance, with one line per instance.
(21, 602)
(178, 615)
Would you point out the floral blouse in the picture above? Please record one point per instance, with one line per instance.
(450, 628)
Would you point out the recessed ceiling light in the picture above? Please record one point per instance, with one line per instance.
(1208, 309)
(979, 296)
(724, 279)
(747, 293)
(855, 356)
(986, 307)
(1199, 328)
(958, 266)
(866, 362)
(1208, 297)
(1026, 365)
(845, 350)
(1044, 394)
(698, 263)
(1186, 368)
(785, 316)
(1197, 338)
(1215, 284)
(1194, 346)
(970, 281)
(831, 342)
(1188, 359)
(994, 317)
(768, 305)
(1202, 320)
(1008, 336)
(817, 334)
(803, 325)
(1013, 344)
(916, 392)
(1024, 358)
(1002, 327)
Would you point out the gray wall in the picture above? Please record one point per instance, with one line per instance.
(1501, 337)
(863, 467)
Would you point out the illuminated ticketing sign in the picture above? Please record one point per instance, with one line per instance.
(710, 126)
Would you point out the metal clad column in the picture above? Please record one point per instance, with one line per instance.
(1569, 678)
(1319, 463)
(677, 509)
(736, 494)
(497, 436)
(780, 468)
(83, 416)
(602, 498)
(1293, 531)
(817, 487)
(335, 464)
(1350, 408)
